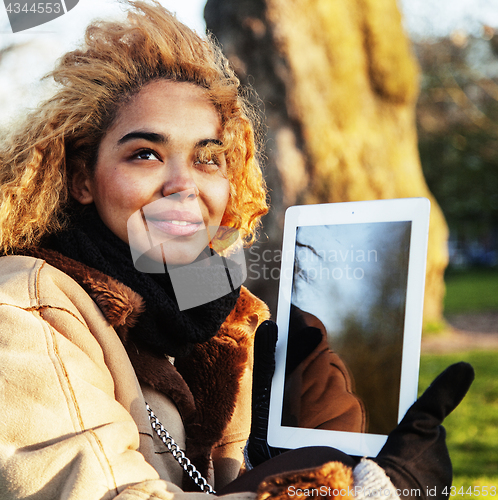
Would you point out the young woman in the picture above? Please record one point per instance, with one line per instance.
(144, 156)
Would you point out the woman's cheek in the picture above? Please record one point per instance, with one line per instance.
(132, 193)
(223, 191)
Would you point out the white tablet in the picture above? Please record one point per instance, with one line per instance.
(349, 323)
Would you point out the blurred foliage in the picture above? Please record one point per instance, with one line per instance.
(457, 117)
(472, 429)
(461, 169)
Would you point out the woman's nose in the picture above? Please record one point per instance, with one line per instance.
(180, 184)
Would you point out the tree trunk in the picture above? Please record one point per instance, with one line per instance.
(339, 85)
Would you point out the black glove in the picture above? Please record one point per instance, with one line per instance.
(258, 450)
(415, 456)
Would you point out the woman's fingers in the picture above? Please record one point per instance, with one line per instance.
(443, 395)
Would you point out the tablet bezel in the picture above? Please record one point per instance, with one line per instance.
(417, 211)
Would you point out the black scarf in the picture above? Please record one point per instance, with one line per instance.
(162, 328)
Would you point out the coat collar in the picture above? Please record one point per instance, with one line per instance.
(120, 305)
(204, 385)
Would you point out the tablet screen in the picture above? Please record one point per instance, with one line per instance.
(350, 282)
(349, 323)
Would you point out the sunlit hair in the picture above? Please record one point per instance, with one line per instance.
(62, 136)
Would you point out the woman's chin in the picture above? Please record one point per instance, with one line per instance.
(172, 255)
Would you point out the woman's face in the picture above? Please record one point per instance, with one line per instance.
(161, 176)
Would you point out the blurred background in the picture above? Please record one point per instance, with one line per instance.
(362, 99)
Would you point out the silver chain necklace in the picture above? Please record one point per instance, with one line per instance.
(178, 453)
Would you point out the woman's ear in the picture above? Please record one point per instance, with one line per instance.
(81, 188)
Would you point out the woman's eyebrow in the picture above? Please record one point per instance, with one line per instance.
(148, 136)
(162, 139)
(207, 142)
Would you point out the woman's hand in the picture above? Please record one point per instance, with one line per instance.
(415, 455)
(303, 341)
(257, 448)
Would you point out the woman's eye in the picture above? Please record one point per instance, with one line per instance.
(207, 158)
(205, 162)
(146, 155)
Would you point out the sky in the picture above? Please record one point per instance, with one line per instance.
(20, 73)
(442, 17)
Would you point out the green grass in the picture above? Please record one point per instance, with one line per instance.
(472, 429)
(473, 290)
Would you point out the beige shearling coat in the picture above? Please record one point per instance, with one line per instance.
(73, 423)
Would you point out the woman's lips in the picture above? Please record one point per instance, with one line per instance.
(177, 227)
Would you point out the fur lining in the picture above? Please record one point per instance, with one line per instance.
(332, 480)
(204, 385)
(213, 371)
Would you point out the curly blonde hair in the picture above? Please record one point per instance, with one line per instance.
(63, 135)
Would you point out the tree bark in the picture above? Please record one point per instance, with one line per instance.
(339, 85)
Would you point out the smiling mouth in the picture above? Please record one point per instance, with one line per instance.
(181, 222)
(175, 227)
